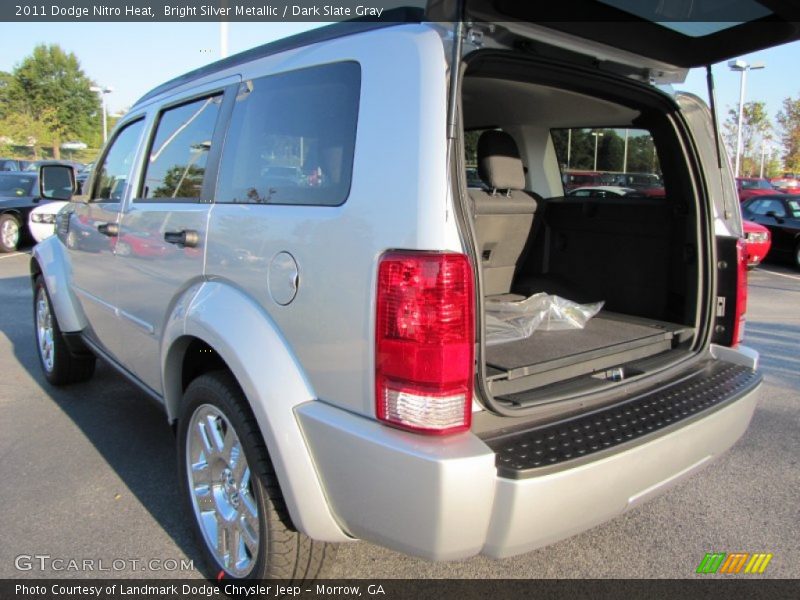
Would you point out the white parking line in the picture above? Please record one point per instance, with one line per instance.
(13, 255)
(795, 277)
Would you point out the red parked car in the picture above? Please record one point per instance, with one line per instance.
(753, 186)
(757, 243)
(787, 183)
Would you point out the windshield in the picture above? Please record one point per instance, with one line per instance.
(16, 185)
(755, 184)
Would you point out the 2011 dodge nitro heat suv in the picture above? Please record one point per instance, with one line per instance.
(282, 249)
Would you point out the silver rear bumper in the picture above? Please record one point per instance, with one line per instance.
(443, 499)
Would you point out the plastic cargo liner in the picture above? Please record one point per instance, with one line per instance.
(509, 321)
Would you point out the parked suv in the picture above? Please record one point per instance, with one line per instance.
(323, 342)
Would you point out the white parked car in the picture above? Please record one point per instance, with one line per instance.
(42, 220)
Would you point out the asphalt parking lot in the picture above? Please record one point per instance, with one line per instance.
(88, 473)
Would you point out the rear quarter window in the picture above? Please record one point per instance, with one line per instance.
(291, 138)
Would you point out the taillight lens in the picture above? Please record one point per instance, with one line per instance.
(425, 341)
(741, 291)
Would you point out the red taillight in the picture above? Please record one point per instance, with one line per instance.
(741, 292)
(425, 341)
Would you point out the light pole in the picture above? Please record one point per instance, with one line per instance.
(625, 153)
(103, 90)
(597, 135)
(743, 67)
(764, 146)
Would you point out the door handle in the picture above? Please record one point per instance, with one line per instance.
(188, 238)
(109, 229)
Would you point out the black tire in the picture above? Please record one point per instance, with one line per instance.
(796, 257)
(283, 552)
(65, 367)
(10, 233)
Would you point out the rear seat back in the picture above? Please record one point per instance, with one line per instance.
(503, 212)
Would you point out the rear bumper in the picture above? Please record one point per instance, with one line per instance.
(453, 498)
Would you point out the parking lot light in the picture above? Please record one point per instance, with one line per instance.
(103, 90)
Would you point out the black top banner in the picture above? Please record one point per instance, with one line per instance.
(596, 11)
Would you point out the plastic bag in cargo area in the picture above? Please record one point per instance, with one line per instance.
(511, 321)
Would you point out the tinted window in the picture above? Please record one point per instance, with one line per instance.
(762, 207)
(176, 163)
(112, 177)
(15, 185)
(292, 137)
(590, 156)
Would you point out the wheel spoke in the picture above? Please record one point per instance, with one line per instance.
(249, 537)
(222, 541)
(202, 435)
(205, 500)
(214, 430)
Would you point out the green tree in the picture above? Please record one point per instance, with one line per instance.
(756, 128)
(50, 86)
(789, 121)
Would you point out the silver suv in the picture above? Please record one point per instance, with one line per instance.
(284, 250)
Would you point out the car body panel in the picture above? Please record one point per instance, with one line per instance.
(757, 242)
(784, 227)
(50, 258)
(42, 230)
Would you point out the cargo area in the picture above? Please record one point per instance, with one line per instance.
(635, 249)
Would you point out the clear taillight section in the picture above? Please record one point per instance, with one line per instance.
(425, 341)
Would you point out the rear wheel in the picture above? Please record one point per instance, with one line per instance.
(231, 490)
(797, 256)
(9, 233)
(60, 366)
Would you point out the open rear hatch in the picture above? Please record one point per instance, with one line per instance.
(645, 327)
(660, 37)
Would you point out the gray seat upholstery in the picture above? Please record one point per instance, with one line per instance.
(503, 212)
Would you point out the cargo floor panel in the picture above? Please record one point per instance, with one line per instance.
(608, 340)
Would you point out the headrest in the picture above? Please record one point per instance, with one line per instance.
(499, 164)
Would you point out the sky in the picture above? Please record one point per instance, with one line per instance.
(132, 58)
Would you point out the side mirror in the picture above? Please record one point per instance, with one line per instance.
(56, 182)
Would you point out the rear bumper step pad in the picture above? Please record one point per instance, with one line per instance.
(525, 454)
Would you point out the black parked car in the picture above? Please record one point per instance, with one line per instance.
(780, 213)
(19, 195)
(13, 164)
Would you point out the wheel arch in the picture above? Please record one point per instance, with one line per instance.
(49, 259)
(215, 325)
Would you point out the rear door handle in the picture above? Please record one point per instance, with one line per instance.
(109, 229)
(188, 238)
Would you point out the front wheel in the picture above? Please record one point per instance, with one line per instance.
(797, 256)
(60, 366)
(9, 233)
(231, 490)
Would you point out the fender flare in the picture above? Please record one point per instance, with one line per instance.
(50, 258)
(270, 376)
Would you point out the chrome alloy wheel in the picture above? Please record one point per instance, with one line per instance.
(44, 330)
(9, 233)
(221, 490)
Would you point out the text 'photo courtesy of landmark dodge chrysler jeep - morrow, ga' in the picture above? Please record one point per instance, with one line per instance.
(283, 250)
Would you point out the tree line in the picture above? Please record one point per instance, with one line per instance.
(46, 100)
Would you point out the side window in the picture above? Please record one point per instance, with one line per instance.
(775, 206)
(176, 163)
(291, 138)
(598, 156)
(112, 176)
